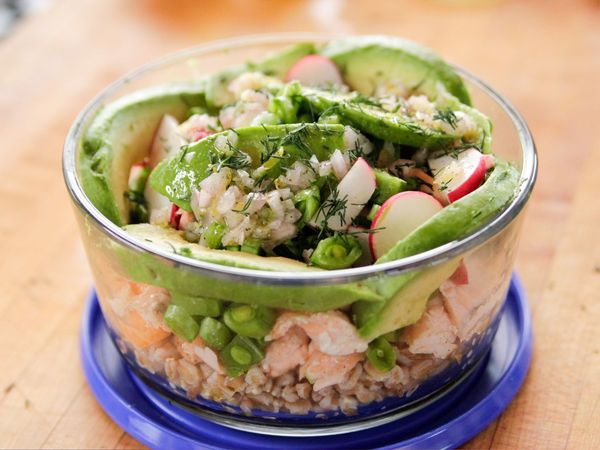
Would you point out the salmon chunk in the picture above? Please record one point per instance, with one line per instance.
(331, 332)
(286, 353)
(434, 333)
(323, 370)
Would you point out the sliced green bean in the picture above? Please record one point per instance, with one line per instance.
(249, 320)
(215, 333)
(181, 323)
(373, 211)
(214, 234)
(241, 354)
(388, 185)
(307, 201)
(381, 354)
(337, 252)
(251, 246)
(198, 306)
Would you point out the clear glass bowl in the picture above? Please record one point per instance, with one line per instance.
(134, 283)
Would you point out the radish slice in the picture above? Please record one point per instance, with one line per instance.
(175, 216)
(315, 70)
(166, 141)
(362, 234)
(398, 217)
(353, 193)
(459, 176)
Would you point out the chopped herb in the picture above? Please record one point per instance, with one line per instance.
(446, 115)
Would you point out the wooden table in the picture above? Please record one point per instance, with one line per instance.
(545, 56)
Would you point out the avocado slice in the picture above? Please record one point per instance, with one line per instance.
(146, 268)
(365, 115)
(366, 61)
(276, 65)
(404, 308)
(121, 135)
(177, 177)
(451, 223)
(368, 115)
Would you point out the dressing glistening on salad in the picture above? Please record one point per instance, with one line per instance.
(361, 151)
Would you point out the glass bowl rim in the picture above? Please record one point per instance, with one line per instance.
(434, 256)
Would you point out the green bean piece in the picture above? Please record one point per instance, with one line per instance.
(307, 202)
(336, 252)
(373, 212)
(251, 246)
(213, 235)
(181, 323)
(388, 185)
(250, 320)
(241, 354)
(381, 354)
(198, 306)
(233, 248)
(215, 333)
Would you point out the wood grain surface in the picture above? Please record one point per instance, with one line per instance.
(543, 55)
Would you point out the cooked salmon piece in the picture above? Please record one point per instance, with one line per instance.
(331, 332)
(434, 333)
(323, 370)
(197, 351)
(286, 353)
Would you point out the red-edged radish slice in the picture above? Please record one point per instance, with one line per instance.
(458, 176)
(166, 141)
(315, 70)
(353, 193)
(185, 218)
(362, 234)
(460, 275)
(398, 217)
(174, 216)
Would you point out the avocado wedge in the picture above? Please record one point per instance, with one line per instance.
(365, 114)
(406, 307)
(276, 65)
(146, 268)
(368, 61)
(246, 148)
(121, 135)
(451, 223)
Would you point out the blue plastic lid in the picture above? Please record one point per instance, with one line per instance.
(445, 423)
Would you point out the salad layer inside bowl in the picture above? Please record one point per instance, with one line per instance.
(312, 160)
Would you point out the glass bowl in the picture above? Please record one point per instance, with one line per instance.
(135, 283)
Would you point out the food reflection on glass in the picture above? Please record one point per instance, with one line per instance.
(319, 157)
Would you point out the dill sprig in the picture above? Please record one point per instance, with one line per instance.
(333, 206)
(234, 158)
(446, 115)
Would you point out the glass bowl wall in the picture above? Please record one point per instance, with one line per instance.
(135, 283)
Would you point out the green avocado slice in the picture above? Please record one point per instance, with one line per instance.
(451, 223)
(121, 135)
(146, 268)
(365, 115)
(367, 61)
(406, 307)
(276, 65)
(246, 148)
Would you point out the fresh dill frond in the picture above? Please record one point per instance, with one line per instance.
(333, 206)
(446, 115)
